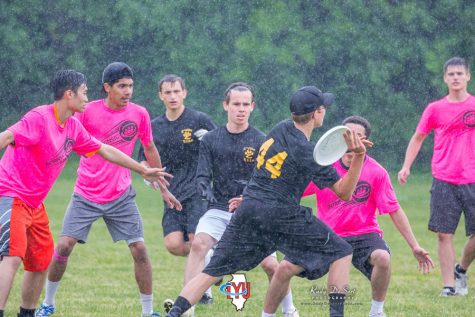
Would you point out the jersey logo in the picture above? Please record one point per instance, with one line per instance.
(187, 135)
(123, 132)
(362, 191)
(62, 154)
(249, 154)
(468, 119)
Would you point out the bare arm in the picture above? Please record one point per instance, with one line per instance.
(413, 149)
(6, 138)
(116, 156)
(152, 155)
(402, 224)
(344, 187)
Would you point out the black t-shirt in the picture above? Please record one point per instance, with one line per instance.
(227, 160)
(179, 148)
(285, 166)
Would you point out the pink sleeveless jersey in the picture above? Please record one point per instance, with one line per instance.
(454, 139)
(358, 215)
(30, 167)
(99, 180)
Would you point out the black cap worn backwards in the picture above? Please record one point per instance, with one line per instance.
(115, 71)
(309, 98)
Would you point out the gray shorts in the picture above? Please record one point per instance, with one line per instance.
(121, 216)
(447, 202)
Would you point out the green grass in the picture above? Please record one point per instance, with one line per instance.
(99, 280)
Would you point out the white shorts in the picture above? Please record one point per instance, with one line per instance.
(214, 223)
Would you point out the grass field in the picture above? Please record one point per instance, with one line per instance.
(100, 282)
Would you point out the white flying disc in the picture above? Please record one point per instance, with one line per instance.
(331, 146)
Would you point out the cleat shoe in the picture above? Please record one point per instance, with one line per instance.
(153, 314)
(206, 299)
(167, 304)
(295, 313)
(446, 292)
(44, 310)
(461, 287)
(380, 314)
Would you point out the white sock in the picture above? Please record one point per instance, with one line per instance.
(50, 292)
(288, 304)
(147, 303)
(376, 307)
(209, 293)
(267, 314)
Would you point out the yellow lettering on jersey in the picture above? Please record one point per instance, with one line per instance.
(249, 154)
(274, 164)
(187, 135)
(262, 152)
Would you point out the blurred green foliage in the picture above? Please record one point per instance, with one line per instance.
(382, 59)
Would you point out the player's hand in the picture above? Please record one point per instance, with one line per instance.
(355, 143)
(425, 262)
(170, 199)
(403, 175)
(156, 175)
(199, 134)
(206, 192)
(234, 203)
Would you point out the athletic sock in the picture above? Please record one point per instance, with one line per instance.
(459, 269)
(267, 314)
(452, 289)
(50, 292)
(337, 304)
(180, 306)
(147, 303)
(376, 307)
(1, 312)
(288, 303)
(26, 312)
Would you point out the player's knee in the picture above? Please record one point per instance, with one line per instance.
(176, 248)
(285, 270)
(269, 265)
(444, 237)
(64, 247)
(139, 251)
(199, 247)
(381, 259)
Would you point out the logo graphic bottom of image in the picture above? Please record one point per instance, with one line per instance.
(237, 289)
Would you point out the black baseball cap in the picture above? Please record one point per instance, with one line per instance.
(115, 71)
(309, 98)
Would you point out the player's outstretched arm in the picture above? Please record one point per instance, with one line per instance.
(413, 149)
(402, 224)
(346, 185)
(116, 156)
(6, 138)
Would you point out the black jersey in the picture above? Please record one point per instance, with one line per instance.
(227, 160)
(285, 166)
(179, 148)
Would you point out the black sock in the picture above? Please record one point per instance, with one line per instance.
(1, 312)
(180, 306)
(459, 269)
(337, 304)
(26, 312)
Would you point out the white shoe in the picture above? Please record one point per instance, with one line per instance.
(380, 314)
(461, 287)
(295, 313)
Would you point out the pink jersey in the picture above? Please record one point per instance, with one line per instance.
(99, 180)
(454, 139)
(30, 167)
(357, 216)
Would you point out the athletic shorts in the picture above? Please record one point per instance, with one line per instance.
(363, 245)
(256, 230)
(24, 232)
(121, 216)
(185, 220)
(447, 202)
(214, 223)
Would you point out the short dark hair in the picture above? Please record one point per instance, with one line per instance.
(303, 118)
(456, 61)
(237, 86)
(360, 121)
(64, 80)
(171, 78)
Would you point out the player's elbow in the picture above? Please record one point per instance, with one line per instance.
(345, 196)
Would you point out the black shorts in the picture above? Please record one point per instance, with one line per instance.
(257, 230)
(447, 202)
(363, 245)
(185, 220)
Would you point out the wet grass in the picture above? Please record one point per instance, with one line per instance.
(100, 281)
